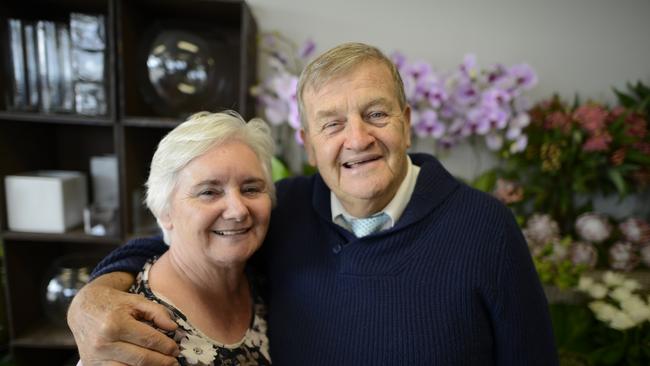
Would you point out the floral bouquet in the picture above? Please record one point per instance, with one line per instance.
(469, 101)
(585, 149)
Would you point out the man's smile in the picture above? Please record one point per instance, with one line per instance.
(350, 164)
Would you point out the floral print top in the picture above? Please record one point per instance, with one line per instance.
(197, 349)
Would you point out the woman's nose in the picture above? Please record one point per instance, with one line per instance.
(236, 208)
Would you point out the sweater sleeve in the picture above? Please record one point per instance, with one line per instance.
(522, 323)
(131, 257)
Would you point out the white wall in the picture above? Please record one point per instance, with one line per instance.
(576, 46)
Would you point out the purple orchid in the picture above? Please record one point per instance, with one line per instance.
(446, 106)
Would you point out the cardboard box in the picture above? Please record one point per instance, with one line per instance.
(47, 201)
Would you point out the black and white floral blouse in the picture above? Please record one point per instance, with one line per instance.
(197, 349)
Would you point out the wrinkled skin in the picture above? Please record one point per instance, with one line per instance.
(109, 325)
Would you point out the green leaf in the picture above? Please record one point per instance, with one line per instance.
(616, 178)
(279, 170)
(625, 100)
(638, 157)
(611, 354)
(486, 181)
(640, 89)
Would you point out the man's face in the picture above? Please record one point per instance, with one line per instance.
(357, 137)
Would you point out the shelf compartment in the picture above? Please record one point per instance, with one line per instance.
(28, 264)
(59, 11)
(227, 26)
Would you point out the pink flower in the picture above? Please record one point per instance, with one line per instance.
(541, 229)
(622, 256)
(593, 227)
(508, 191)
(591, 117)
(559, 120)
(597, 142)
(583, 253)
(643, 147)
(635, 125)
(635, 230)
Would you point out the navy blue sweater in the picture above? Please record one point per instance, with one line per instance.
(451, 284)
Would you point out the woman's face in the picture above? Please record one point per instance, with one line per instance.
(220, 207)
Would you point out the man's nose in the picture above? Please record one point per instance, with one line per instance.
(358, 136)
(236, 208)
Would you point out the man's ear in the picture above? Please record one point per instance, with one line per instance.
(309, 149)
(407, 125)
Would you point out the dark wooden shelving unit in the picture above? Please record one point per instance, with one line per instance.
(130, 130)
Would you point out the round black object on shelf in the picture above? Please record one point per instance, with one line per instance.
(187, 72)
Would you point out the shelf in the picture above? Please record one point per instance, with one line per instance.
(73, 119)
(45, 336)
(75, 236)
(159, 122)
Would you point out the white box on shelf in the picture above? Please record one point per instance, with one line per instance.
(46, 201)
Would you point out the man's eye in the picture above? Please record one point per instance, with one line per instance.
(332, 126)
(373, 116)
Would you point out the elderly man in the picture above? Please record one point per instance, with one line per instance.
(380, 259)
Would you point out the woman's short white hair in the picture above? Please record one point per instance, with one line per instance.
(195, 137)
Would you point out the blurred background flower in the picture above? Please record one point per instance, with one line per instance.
(453, 106)
(447, 106)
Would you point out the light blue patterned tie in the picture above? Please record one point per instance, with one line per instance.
(368, 225)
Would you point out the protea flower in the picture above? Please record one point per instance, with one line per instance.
(593, 227)
(583, 253)
(623, 256)
(635, 230)
(541, 229)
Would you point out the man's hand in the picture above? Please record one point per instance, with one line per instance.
(108, 326)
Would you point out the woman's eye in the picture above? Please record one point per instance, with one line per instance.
(251, 191)
(208, 193)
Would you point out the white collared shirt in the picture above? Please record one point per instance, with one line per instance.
(395, 207)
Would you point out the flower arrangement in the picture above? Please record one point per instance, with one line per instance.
(614, 329)
(468, 101)
(449, 107)
(575, 154)
(584, 149)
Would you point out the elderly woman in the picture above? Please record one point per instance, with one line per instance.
(211, 192)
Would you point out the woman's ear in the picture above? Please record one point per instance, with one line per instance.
(165, 220)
